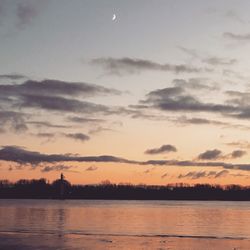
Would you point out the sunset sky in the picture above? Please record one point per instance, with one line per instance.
(159, 95)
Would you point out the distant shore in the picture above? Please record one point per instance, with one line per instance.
(62, 189)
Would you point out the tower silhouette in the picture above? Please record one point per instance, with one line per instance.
(62, 187)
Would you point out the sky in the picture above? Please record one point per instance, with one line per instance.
(160, 95)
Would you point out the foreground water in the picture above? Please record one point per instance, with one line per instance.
(91, 224)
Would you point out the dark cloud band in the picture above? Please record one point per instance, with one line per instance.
(22, 156)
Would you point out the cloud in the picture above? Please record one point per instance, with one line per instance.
(23, 12)
(45, 135)
(238, 153)
(50, 87)
(78, 136)
(26, 12)
(82, 120)
(137, 112)
(56, 168)
(164, 175)
(222, 173)
(61, 104)
(22, 156)
(217, 154)
(133, 65)
(40, 124)
(58, 96)
(149, 170)
(215, 61)
(240, 144)
(241, 101)
(191, 52)
(177, 99)
(232, 14)
(210, 155)
(237, 37)
(194, 84)
(1, 6)
(25, 157)
(241, 175)
(99, 130)
(12, 77)
(231, 73)
(204, 174)
(238, 97)
(193, 175)
(212, 60)
(91, 168)
(187, 163)
(197, 120)
(183, 120)
(14, 120)
(163, 149)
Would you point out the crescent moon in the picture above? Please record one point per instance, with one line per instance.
(114, 17)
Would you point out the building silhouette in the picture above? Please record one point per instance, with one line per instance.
(62, 187)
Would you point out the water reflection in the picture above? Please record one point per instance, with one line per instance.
(61, 215)
(218, 219)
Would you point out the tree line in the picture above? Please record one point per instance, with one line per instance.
(42, 189)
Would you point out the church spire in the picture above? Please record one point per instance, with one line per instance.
(62, 186)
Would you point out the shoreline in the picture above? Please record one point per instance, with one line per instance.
(121, 199)
(76, 242)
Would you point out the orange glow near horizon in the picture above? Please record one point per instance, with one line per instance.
(119, 173)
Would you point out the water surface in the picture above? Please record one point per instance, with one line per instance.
(106, 220)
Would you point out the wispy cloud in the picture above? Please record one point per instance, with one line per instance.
(233, 15)
(78, 136)
(188, 163)
(23, 12)
(237, 37)
(197, 83)
(128, 65)
(13, 76)
(13, 120)
(190, 52)
(26, 12)
(45, 135)
(51, 168)
(184, 120)
(219, 61)
(83, 120)
(239, 144)
(91, 168)
(100, 129)
(164, 175)
(204, 174)
(41, 124)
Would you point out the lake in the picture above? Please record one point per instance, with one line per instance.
(100, 224)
